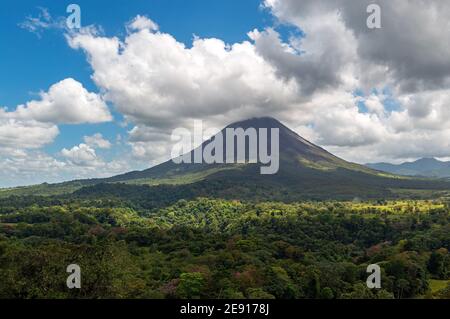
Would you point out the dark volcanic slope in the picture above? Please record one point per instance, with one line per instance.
(306, 171)
(293, 149)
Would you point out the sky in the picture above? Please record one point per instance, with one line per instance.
(104, 99)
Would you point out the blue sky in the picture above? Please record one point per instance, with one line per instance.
(40, 62)
(105, 99)
(33, 63)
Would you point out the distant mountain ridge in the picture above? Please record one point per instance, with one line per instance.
(425, 167)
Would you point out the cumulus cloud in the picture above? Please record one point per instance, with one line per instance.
(26, 134)
(412, 48)
(150, 144)
(27, 167)
(159, 84)
(409, 55)
(28, 128)
(82, 155)
(318, 62)
(66, 102)
(83, 159)
(374, 104)
(155, 80)
(307, 81)
(97, 140)
(34, 125)
(343, 125)
(142, 22)
(429, 109)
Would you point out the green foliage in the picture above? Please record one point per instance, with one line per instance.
(215, 248)
(191, 285)
(439, 264)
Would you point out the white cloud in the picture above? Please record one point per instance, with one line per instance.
(429, 109)
(83, 160)
(34, 125)
(308, 82)
(26, 134)
(19, 167)
(154, 80)
(66, 102)
(43, 21)
(81, 155)
(142, 22)
(28, 167)
(159, 84)
(408, 60)
(341, 124)
(323, 60)
(374, 104)
(149, 144)
(97, 140)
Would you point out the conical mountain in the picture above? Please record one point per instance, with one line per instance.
(293, 149)
(305, 171)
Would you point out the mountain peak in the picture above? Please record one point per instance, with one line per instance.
(305, 171)
(427, 160)
(291, 144)
(294, 153)
(428, 166)
(258, 122)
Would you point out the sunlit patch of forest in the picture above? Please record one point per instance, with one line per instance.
(215, 248)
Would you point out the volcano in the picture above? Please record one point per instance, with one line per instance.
(295, 153)
(306, 171)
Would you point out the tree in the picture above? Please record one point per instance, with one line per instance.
(326, 293)
(258, 293)
(437, 264)
(191, 285)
